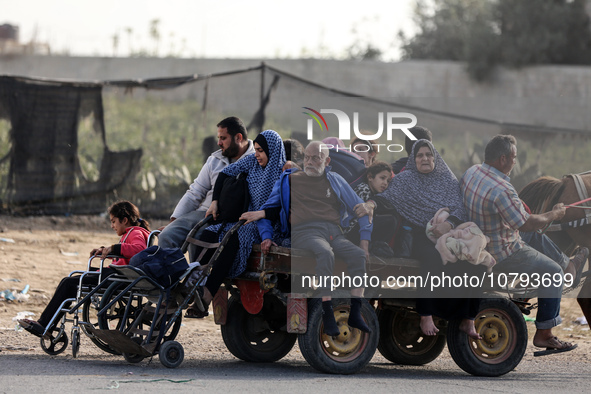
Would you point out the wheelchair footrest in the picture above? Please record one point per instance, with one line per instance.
(120, 342)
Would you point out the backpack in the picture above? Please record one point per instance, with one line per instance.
(234, 198)
(347, 166)
(164, 265)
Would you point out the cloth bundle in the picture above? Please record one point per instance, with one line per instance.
(465, 242)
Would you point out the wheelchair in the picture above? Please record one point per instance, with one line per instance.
(139, 317)
(83, 313)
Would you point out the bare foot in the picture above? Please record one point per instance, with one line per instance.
(467, 326)
(428, 326)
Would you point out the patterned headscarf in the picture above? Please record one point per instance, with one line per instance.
(417, 197)
(260, 184)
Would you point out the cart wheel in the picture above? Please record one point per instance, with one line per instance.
(401, 339)
(171, 354)
(89, 315)
(132, 357)
(257, 338)
(350, 351)
(503, 343)
(75, 342)
(54, 346)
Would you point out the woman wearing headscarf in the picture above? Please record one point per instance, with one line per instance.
(426, 185)
(263, 169)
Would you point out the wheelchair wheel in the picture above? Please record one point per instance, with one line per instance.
(54, 346)
(89, 315)
(113, 318)
(75, 342)
(171, 354)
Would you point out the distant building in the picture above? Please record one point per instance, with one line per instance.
(10, 45)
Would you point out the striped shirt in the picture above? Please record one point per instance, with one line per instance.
(493, 204)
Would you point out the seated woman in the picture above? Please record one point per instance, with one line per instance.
(417, 194)
(263, 169)
(134, 232)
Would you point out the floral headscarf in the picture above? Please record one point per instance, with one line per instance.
(417, 197)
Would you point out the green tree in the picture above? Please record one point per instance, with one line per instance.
(155, 34)
(512, 33)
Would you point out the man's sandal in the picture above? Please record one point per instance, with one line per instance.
(560, 347)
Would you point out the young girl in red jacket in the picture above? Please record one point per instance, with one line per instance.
(134, 232)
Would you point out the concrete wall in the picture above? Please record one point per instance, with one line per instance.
(546, 95)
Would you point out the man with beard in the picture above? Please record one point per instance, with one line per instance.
(317, 204)
(233, 143)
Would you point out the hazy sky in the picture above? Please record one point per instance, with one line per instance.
(230, 28)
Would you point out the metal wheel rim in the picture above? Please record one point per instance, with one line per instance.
(497, 343)
(407, 334)
(349, 344)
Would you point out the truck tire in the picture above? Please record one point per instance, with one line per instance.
(401, 339)
(350, 351)
(503, 343)
(259, 338)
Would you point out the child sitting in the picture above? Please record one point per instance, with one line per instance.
(134, 232)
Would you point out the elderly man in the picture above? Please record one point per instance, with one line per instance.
(493, 204)
(317, 203)
(233, 143)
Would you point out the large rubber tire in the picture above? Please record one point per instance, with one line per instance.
(350, 351)
(257, 338)
(112, 319)
(504, 333)
(171, 354)
(89, 315)
(401, 339)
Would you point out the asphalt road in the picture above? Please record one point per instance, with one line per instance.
(20, 373)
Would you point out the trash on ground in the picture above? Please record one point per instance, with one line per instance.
(71, 254)
(10, 280)
(581, 320)
(7, 295)
(9, 240)
(15, 295)
(73, 262)
(19, 316)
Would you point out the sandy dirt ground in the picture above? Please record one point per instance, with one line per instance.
(39, 251)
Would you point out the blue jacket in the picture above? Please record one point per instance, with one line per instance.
(280, 197)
